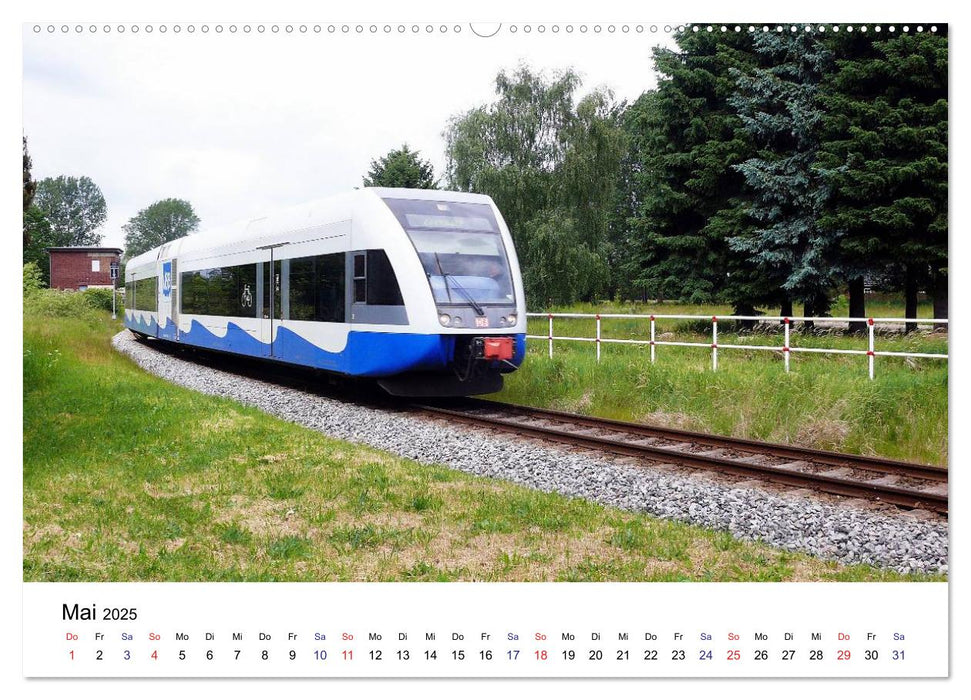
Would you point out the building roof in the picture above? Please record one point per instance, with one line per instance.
(85, 249)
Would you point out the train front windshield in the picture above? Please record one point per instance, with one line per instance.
(461, 249)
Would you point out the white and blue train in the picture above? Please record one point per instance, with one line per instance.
(419, 289)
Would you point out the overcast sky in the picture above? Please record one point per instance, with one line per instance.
(242, 124)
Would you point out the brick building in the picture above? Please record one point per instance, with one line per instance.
(83, 267)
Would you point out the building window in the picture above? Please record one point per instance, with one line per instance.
(95, 265)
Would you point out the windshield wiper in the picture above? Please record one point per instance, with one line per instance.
(458, 287)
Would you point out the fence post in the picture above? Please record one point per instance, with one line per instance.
(551, 336)
(598, 337)
(652, 337)
(714, 343)
(869, 352)
(785, 344)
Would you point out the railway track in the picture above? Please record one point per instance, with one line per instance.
(901, 484)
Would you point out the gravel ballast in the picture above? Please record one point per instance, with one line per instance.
(838, 532)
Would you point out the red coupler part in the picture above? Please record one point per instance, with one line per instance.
(497, 349)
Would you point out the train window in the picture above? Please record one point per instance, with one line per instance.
(220, 291)
(303, 301)
(194, 292)
(272, 279)
(460, 246)
(243, 289)
(330, 288)
(245, 292)
(382, 285)
(146, 294)
(360, 278)
(431, 215)
(317, 288)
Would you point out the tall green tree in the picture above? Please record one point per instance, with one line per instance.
(778, 104)
(560, 264)
(36, 229)
(38, 236)
(884, 154)
(628, 198)
(550, 161)
(511, 148)
(74, 207)
(687, 199)
(595, 147)
(158, 223)
(401, 167)
(30, 187)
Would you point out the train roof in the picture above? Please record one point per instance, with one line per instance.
(262, 230)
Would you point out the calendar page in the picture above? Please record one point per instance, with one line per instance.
(440, 344)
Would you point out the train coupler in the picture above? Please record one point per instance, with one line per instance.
(489, 348)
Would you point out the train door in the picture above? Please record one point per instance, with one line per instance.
(174, 302)
(269, 289)
(165, 299)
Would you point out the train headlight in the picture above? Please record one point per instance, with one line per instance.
(456, 321)
(444, 319)
(511, 319)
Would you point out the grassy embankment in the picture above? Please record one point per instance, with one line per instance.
(127, 477)
(825, 401)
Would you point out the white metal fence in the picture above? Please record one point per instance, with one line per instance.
(786, 349)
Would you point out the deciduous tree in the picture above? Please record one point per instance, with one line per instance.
(158, 223)
(551, 164)
(74, 207)
(30, 187)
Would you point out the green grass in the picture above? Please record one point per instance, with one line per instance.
(825, 401)
(129, 478)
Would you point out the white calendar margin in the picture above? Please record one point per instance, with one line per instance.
(918, 611)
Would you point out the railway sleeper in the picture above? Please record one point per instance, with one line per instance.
(796, 466)
(886, 480)
(839, 473)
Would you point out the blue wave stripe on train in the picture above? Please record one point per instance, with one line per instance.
(367, 353)
(150, 327)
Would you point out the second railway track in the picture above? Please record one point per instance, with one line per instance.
(901, 484)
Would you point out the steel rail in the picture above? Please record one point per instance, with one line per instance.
(816, 456)
(902, 496)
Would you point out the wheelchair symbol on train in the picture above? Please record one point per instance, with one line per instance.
(247, 299)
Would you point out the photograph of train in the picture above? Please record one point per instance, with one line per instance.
(420, 288)
(467, 302)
